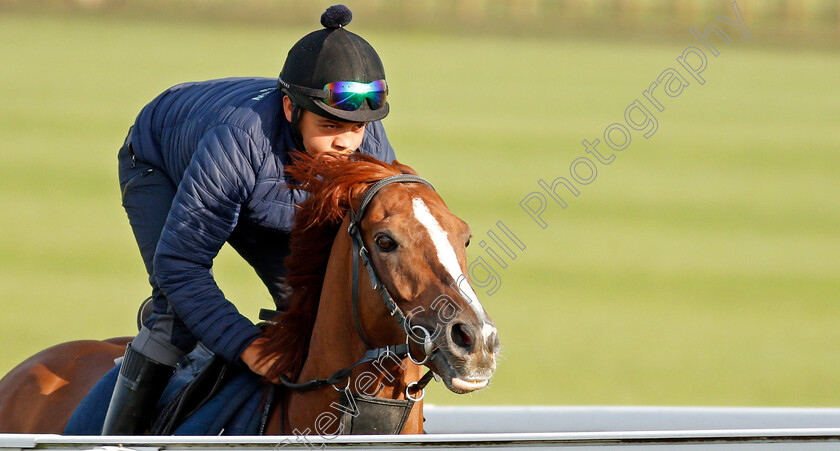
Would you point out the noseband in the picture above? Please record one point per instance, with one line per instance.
(373, 353)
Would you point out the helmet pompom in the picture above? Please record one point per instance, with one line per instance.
(336, 16)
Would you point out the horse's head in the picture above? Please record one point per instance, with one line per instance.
(414, 247)
(418, 249)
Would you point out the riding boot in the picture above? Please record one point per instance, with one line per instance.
(139, 386)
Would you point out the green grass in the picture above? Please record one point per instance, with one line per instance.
(702, 267)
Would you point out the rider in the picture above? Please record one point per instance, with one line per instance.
(203, 165)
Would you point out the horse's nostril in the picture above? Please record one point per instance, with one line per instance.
(460, 336)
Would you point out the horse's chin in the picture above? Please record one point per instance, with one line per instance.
(451, 378)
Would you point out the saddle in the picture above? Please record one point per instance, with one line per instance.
(204, 397)
(198, 381)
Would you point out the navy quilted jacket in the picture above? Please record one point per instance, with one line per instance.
(224, 143)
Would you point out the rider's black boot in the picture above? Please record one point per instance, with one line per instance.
(139, 385)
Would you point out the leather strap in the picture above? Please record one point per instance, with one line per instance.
(355, 295)
(343, 374)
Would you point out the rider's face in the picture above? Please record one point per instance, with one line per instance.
(321, 135)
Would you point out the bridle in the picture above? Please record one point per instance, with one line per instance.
(359, 249)
(373, 354)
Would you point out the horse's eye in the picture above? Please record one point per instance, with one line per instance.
(467, 244)
(385, 243)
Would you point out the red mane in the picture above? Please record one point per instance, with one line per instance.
(333, 182)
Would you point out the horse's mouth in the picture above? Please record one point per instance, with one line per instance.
(466, 386)
(455, 382)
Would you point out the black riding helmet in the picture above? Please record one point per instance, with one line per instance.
(317, 64)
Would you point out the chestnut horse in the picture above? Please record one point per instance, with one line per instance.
(412, 249)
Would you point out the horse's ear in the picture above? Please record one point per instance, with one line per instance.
(403, 168)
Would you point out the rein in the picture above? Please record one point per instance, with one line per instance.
(344, 373)
(373, 354)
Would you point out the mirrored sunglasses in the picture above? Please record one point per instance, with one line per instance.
(350, 95)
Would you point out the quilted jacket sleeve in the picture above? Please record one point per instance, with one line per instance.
(376, 143)
(218, 180)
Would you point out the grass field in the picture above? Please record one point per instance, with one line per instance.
(701, 267)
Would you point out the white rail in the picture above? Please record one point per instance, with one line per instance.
(590, 428)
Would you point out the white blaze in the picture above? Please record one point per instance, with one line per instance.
(446, 254)
(487, 331)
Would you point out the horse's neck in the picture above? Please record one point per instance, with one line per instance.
(335, 344)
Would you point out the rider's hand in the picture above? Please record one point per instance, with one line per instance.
(250, 356)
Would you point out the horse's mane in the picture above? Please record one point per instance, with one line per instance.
(332, 181)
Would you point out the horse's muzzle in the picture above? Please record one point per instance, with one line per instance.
(466, 355)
